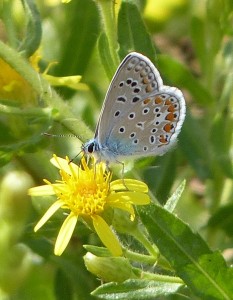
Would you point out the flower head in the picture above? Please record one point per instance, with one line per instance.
(87, 192)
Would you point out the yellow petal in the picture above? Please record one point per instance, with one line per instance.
(43, 190)
(53, 208)
(131, 197)
(130, 184)
(106, 235)
(61, 164)
(65, 234)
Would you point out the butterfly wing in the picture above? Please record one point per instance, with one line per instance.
(151, 127)
(135, 79)
(140, 116)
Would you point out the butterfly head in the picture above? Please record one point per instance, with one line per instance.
(90, 147)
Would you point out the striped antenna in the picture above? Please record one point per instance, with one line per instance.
(60, 135)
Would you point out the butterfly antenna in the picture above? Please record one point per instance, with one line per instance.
(60, 135)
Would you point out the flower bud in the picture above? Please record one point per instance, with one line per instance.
(115, 269)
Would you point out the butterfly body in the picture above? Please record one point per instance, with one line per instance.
(140, 116)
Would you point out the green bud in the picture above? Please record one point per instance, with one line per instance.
(109, 269)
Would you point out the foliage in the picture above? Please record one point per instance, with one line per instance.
(56, 61)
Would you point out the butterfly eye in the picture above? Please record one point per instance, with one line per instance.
(91, 148)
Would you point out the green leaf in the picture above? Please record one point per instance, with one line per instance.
(82, 26)
(180, 76)
(33, 33)
(135, 289)
(205, 272)
(175, 197)
(132, 33)
(194, 144)
(223, 219)
(105, 55)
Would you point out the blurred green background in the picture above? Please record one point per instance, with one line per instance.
(190, 42)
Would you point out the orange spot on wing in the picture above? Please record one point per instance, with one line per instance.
(145, 80)
(162, 139)
(168, 102)
(146, 101)
(171, 108)
(148, 88)
(158, 100)
(170, 117)
(168, 127)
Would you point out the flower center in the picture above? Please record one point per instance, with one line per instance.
(84, 196)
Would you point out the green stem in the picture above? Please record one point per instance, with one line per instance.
(151, 248)
(158, 277)
(107, 10)
(140, 257)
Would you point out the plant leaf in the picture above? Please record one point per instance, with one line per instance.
(132, 33)
(135, 289)
(205, 272)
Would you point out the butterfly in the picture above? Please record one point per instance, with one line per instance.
(140, 116)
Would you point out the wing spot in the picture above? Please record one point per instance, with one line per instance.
(136, 99)
(153, 130)
(146, 101)
(145, 110)
(135, 142)
(132, 135)
(131, 115)
(117, 113)
(121, 84)
(122, 129)
(145, 80)
(163, 139)
(149, 88)
(158, 100)
(156, 110)
(168, 127)
(145, 148)
(168, 102)
(137, 90)
(134, 83)
(129, 81)
(121, 99)
(140, 125)
(171, 116)
(152, 139)
(171, 108)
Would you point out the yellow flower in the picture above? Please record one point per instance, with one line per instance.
(87, 192)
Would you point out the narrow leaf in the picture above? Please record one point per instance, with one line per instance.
(132, 33)
(33, 33)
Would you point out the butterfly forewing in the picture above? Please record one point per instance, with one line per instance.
(135, 79)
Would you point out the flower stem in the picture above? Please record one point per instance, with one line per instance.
(158, 277)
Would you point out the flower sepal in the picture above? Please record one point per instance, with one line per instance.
(98, 251)
(116, 269)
